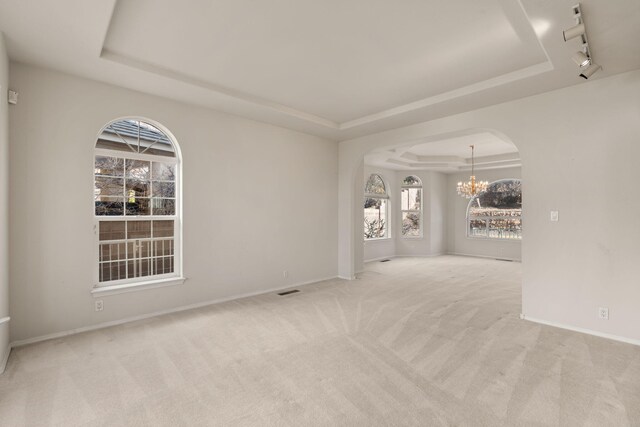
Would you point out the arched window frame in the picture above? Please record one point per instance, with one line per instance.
(405, 211)
(101, 288)
(383, 200)
(486, 219)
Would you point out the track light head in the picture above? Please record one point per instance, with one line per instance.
(573, 32)
(590, 70)
(581, 59)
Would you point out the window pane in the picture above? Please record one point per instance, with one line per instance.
(137, 169)
(375, 218)
(505, 228)
(501, 206)
(137, 188)
(477, 228)
(112, 230)
(109, 166)
(164, 171)
(139, 249)
(105, 186)
(112, 251)
(109, 271)
(164, 206)
(140, 206)
(163, 228)
(139, 268)
(163, 247)
(163, 265)
(164, 189)
(412, 180)
(375, 185)
(410, 198)
(138, 229)
(109, 206)
(411, 224)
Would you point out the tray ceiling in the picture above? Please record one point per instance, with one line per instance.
(332, 68)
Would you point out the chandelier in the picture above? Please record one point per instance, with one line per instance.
(472, 187)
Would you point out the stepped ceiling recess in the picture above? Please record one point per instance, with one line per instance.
(337, 69)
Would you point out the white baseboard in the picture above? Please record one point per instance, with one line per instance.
(103, 325)
(484, 256)
(403, 256)
(420, 256)
(378, 259)
(582, 330)
(5, 359)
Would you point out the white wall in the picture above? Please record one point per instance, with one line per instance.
(457, 240)
(579, 149)
(4, 203)
(231, 165)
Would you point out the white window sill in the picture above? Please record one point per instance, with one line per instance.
(137, 286)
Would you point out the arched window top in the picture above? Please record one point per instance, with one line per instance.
(136, 136)
(375, 185)
(411, 181)
(503, 195)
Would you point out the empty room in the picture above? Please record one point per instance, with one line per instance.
(335, 213)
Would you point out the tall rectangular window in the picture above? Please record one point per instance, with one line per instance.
(135, 202)
(411, 207)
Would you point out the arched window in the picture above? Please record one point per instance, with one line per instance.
(137, 204)
(375, 208)
(411, 207)
(497, 212)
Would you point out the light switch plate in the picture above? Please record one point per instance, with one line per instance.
(554, 216)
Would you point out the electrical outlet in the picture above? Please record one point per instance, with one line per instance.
(99, 305)
(554, 216)
(603, 313)
(285, 273)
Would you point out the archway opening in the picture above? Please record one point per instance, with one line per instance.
(423, 214)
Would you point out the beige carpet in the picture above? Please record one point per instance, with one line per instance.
(412, 342)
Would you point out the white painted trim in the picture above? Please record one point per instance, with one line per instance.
(484, 256)
(5, 359)
(4, 320)
(103, 291)
(160, 313)
(378, 259)
(420, 255)
(582, 330)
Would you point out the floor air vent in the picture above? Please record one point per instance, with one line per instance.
(385, 260)
(293, 291)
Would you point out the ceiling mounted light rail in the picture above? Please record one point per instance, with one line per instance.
(582, 57)
(472, 187)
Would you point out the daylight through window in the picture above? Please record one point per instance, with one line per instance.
(411, 207)
(375, 208)
(497, 212)
(136, 201)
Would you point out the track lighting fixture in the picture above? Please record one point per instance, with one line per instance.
(573, 32)
(583, 57)
(589, 71)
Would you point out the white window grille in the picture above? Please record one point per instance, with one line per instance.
(411, 207)
(136, 204)
(376, 209)
(497, 212)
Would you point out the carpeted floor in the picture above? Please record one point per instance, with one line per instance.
(411, 342)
